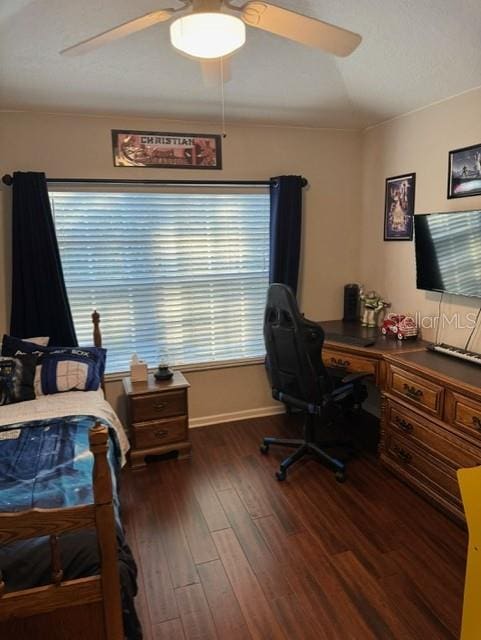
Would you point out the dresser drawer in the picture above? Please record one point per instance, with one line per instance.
(463, 413)
(417, 391)
(159, 405)
(427, 471)
(155, 434)
(348, 362)
(437, 440)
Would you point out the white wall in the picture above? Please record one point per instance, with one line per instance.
(418, 142)
(72, 146)
(343, 217)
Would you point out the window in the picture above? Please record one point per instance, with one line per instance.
(176, 275)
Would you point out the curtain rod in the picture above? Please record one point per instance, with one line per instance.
(8, 180)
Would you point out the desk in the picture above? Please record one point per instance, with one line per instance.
(431, 424)
(357, 358)
(430, 410)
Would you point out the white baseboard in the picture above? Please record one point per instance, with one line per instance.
(246, 414)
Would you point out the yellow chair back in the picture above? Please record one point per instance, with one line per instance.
(470, 484)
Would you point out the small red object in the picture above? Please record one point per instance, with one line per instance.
(399, 325)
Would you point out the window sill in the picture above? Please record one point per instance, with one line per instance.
(188, 368)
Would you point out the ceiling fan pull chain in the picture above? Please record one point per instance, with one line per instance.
(224, 134)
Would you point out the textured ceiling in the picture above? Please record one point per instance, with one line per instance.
(413, 53)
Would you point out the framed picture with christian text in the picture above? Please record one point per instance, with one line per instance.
(166, 150)
(399, 207)
(464, 172)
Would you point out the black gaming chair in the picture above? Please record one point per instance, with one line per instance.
(300, 380)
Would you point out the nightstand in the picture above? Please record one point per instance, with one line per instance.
(158, 416)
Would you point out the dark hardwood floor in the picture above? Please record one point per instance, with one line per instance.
(226, 552)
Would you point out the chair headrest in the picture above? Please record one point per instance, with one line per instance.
(281, 295)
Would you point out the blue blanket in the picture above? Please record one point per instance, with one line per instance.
(48, 464)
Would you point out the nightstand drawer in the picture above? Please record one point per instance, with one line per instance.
(158, 416)
(419, 392)
(154, 434)
(159, 405)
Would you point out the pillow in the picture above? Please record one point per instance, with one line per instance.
(61, 369)
(17, 378)
(43, 341)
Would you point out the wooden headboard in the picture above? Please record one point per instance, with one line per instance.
(97, 337)
(96, 331)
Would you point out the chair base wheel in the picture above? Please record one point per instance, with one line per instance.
(264, 448)
(340, 476)
(281, 475)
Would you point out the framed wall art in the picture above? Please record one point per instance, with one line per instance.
(399, 207)
(166, 150)
(464, 172)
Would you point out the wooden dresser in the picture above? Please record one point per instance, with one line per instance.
(431, 423)
(158, 416)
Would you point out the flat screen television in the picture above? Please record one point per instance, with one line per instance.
(448, 252)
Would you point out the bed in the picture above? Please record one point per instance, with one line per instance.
(65, 568)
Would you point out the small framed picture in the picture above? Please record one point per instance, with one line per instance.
(399, 207)
(464, 172)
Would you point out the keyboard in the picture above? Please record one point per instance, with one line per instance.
(354, 340)
(462, 354)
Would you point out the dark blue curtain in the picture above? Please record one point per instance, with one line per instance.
(285, 229)
(40, 304)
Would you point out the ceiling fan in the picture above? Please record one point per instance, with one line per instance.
(212, 30)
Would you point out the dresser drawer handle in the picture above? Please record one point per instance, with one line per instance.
(406, 426)
(337, 362)
(476, 420)
(412, 392)
(159, 405)
(403, 455)
(161, 433)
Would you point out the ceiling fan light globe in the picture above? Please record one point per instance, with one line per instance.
(208, 35)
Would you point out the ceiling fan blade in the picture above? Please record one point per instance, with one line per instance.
(215, 71)
(122, 30)
(294, 26)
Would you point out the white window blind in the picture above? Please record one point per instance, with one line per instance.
(181, 276)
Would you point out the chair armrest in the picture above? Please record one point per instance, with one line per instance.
(355, 377)
(339, 393)
(348, 386)
(295, 402)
